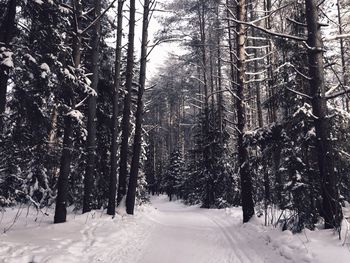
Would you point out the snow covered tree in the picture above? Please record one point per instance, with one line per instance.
(173, 178)
(7, 32)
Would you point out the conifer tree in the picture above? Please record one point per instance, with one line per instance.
(125, 126)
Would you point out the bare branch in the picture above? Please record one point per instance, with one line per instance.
(98, 17)
(299, 93)
(267, 31)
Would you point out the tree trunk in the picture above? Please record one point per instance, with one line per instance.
(260, 116)
(211, 66)
(342, 54)
(123, 169)
(246, 180)
(91, 123)
(232, 59)
(202, 28)
(135, 163)
(66, 157)
(114, 143)
(257, 86)
(272, 107)
(62, 183)
(7, 29)
(331, 209)
(219, 70)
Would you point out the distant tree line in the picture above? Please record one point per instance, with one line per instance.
(256, 112)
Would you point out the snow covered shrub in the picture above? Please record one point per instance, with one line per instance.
(284, 169)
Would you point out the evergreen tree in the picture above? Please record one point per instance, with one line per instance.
(173, 179)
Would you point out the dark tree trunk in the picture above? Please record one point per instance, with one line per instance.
(123, 169)
(246, 180)
(232, 58)
(202, 28)
(272, 107)
(260, 116)
(276, 159)
(66, 157)
(62, 183)
(135, 163)
(7, 29)
(331, 209)
(91, 123)
(342, 54)
(257, 86)
(114, 143)
(219, 70)
(211, 66)
(209, 200)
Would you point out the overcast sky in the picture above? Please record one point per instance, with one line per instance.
(159, 53)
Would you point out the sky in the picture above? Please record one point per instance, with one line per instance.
(159, 54)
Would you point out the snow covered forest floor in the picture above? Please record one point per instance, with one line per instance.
(160, 232)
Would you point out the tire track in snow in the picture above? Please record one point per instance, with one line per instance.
(256, 248)
(231, 242)
(189, 235)
(207, 236)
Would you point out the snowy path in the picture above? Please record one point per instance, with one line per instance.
(163, 232)
(190, 234)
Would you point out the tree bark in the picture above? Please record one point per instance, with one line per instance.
(246, 180)
(62, 183)
(272, 107)
(91, 123)
(123, 169)
(331, 209)
(219, 69)
(342, 54)
(66, 157)
(135, 163)
(232, 58)
(114, 143)
(202, 28)
(7, 29)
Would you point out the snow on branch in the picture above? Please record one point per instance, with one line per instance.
(98, 17)
(75, 114)
(337, 37)
(267, 31)
(255, 80)
(337, 94)
(300, 93)
(288, 64)
(259, 58)
(296, 22)
(305, 109)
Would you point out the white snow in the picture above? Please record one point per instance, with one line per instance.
(165, 232)
(191, 234)
(63, 9)
(8, 62)
(46, 70)
(45, 67)
(7, 59)
(92, 237)
(30, 58)
(68, 74)
(39, 2)
(78, 115)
